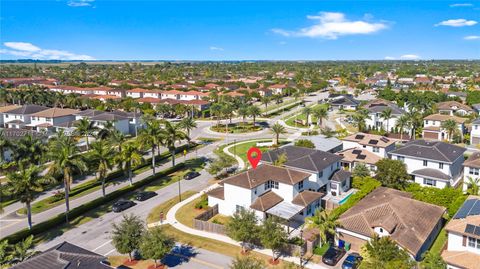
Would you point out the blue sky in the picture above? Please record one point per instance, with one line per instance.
(239, 30)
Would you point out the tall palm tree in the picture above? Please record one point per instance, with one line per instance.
(324, 222)
(86, 128)
(129, 156)
(320, 113)
(242, 111)
(188, 124)
(307, 111)
(29, 149)
(451, 127)
(473, 185)
(216, 111)
(152, 136)
(25, 184)
(402, 123)
(103, 155)
(107, 130)
(4, 145)
(387, 115)
(416, 120)
(265, 100)
(173, 134)
(254, 112)
(117, 138)
(277, 129)
(359, 119)
(65, 160)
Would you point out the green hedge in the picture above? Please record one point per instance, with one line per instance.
(80, 210)
(365, 186)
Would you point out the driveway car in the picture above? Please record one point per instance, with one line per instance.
(144, 195)
(352, 261)
(191, 175)
(333, 255)
(121, 205)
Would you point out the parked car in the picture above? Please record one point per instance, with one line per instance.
(191, 175)
(144, 195)
(352, 261)
(333, 255)
(121, 205)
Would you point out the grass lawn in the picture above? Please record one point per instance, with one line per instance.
(272, 106)
(237, 128)
(188, 212)
(242, 149)
(154, 215)
(213, 245)
(439, 242)
(321, 250)
(220, 219)
(291, 120)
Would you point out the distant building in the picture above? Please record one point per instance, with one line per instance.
(343, 101)
(433, 130)
(475, 133)
(453, 107)
(376, 144)
(471, 169)
(375, 119)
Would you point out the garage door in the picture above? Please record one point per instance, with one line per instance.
(430, 135)
(475, 140)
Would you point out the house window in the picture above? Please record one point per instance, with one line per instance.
(255, 191)
(321, 174)
(425, 163)
(309, 209)
(426, 122)
(275, 185)
(376, 149)
(429, 182)
(364, 146)
(401, 158)
(381, 230)
(474, 171)
(238, 208)
(440, 165)
(266, 185)
(473, 242)
(6, 116)
(300, 185)
(271, 184)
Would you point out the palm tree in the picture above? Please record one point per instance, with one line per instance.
(386, 115)
(188, 124)
(66, 159)
(324, 222)
(152, 136)
(320, 113)
(415, 121)
(172, 135)
(473, 185)
(117, 138)
(129, 156)
(307, 111)
(103, 156)
(254, 112)
(402, 123)
(451, 127)
(216, 110)
(84, 127)
(107, 130)
(265, 100)
(29, 149)
(359, 119)
(243, 112)
(4, 145)
(278, 129)
(24, 184)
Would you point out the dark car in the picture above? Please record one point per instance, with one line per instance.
(333, 255)
(191, 175)
(352, 261)
(144, 195)
(121, 205)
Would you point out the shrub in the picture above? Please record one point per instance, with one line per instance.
(203, 203)
(304, 143)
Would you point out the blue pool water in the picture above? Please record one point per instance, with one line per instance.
(345, 199)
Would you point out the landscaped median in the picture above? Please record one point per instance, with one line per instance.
(100, 204)
(93, 185)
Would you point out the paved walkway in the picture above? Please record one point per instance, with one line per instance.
(171, 219)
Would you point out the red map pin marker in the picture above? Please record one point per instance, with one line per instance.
(254, 156)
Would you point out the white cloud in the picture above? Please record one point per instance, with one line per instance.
(216, 48)
(409, 57)
(462, 5)
(472, 37)
(389, 58)
(28, 50)
(331, 25)
(80, 3)
(457, 23)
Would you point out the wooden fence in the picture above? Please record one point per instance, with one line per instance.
(201, 222)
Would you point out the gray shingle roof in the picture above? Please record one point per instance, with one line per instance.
(108, 117)
(341, 176)
(431, 173)
(431, 150)
(302, 158)
(27, 109)
(64, 256)
(382, 107)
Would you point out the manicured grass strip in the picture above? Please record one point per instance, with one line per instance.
(188, 212)
(154, 215)
(439, 242)
(242, 148)
(93, 206)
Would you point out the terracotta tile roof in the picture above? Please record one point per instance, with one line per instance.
(441, 117)
(8, 108)
(473, 160)
(462, 259)
(151, 100)
(453, 105)
(107, 97)
(263, 173)
(277, 86)
(173, 92)
(370, 140)
(358, 155)
(410, 221)
(55, 112)
(307, 197)
(217, 193)
(458, 225)
(140, 90)
(233, 94)
(266, 201)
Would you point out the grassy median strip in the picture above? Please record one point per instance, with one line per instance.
(154, 215)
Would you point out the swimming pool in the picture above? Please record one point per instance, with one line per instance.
(345, 199)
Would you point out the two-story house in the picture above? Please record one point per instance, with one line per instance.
(453, 107)
(471, 170)
(5, 109)
(475, 132)
(413, 225)
(353, 156)
(463, 231)
(277, 88)
(376, 144)
(432, 163)
(20, 117)
(375, 114)
(433, 129)
(343, 102)
(137, 92)
(269, 191)
(47, 119)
